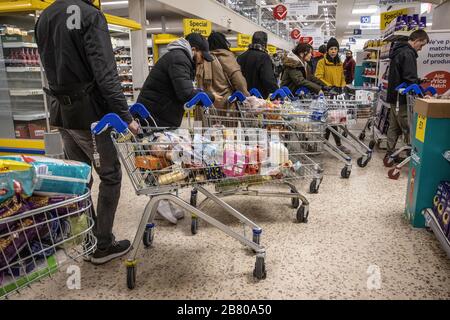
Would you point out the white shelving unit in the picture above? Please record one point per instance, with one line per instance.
(25, 92)
(16, 45)
(23, 69)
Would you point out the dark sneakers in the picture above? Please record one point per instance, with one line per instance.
(116, 250)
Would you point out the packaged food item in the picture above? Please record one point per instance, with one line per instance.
(178, 174)
(278, 153)
(16, 177)
(11, 207)
(150, 163)
(234, 163)
(56, 176)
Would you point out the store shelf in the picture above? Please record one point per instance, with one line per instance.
(123, 56)
(370, 77)
(126, 84)
(23, 69)
(385, 60)
(371, 60)
(397, 36)
(433, 224)
(10, 45)
(124, 65)
(126, 75)
(372, 49)
(30, 116)
(25, 92)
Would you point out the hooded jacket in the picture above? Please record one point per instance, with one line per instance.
(298, 74)
(402, 68)
(170, 85)
(232, 70)
(257, 68)
(331, 74)
(80, 66)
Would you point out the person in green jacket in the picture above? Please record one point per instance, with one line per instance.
(297, 72)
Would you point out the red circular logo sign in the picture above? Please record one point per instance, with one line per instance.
(296, 34)
(280, 12)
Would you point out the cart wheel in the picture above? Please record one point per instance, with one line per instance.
(362, 136)
(149, 234)
(295, 202)
(314, 187)
(388, 161)
(394, 174)
(260, 269)
(346, 172)
(194, 198)
(301, 215)
(131, 277)
(345, 134)
(194, 226)
(372, 144)
(363, 163)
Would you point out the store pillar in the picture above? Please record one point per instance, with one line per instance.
(139, 56)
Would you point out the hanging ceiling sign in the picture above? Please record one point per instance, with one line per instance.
(272, 49)
(303, 8)
(387, 17)
(390, 2)
(280, 12)
(204, 27)
(296, 34)
(243, 40)
(365, 19)
(308, 40)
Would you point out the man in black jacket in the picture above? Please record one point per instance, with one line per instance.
(76, 53)
(170, 83)
(402, 68)
(257, 66)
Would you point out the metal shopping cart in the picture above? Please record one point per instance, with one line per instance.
(305, 124)
(162, 161)
(35, 243)
(411, 92)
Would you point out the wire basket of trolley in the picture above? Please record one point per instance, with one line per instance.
(162, 161)
(411, 92)
(301, 125)
(40, 234)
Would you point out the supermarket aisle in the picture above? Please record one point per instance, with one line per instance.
(354, 224)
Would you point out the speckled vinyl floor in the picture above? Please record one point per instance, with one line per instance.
(356, 229)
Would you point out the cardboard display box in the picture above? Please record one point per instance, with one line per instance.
(21, 130)
(433, 108)
(37, 129)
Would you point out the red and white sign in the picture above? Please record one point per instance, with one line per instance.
(308, 40)
(280, 12)
(296, 34)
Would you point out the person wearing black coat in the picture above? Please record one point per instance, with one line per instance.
(76, 52)
(170, 83)
(402, 68)
(257, 66)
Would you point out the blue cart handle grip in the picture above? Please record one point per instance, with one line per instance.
(238, 95)
(288, 92)
(110, 120)
(200, 98)
(301, 90)
(255, 92)
(415, 88)
(401, 86)
(140, 109)
(278, 94)
(431, 90)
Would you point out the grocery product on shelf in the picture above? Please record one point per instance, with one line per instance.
(405, 24)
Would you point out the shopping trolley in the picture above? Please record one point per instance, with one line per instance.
(162, 161)
(53, 232)
(306, 124)
(412, 92)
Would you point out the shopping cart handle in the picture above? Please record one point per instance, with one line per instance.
(280, 93)
(415, 88)
(255, 92)
(237, 96)
(431, 90)
(200, 98)
(287, 91)
(140, 110)
(109, 120)
(401, 86)
(302, 90)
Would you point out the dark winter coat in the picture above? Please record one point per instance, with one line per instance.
(80, 65)
(349, 70)
(297, 74)
(402, 68)
(170, 85)
(257, 68)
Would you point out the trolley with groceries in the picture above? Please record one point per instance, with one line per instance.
(162, 161)
(303, 125)
(411, 92)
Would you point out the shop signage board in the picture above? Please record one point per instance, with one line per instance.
(352, 40)
(357, 32)
(303, 8)
(296, 34)
(204, 27)
(272, 49)
(391, 2)
(280, 12)
(308, 40)
(244, 40)
(434, 61)
(387, 17)
(365, 19)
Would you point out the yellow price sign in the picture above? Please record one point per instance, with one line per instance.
(204, 27)
(421, 128)
(387, 17)
(271, 49)
(244, 40)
